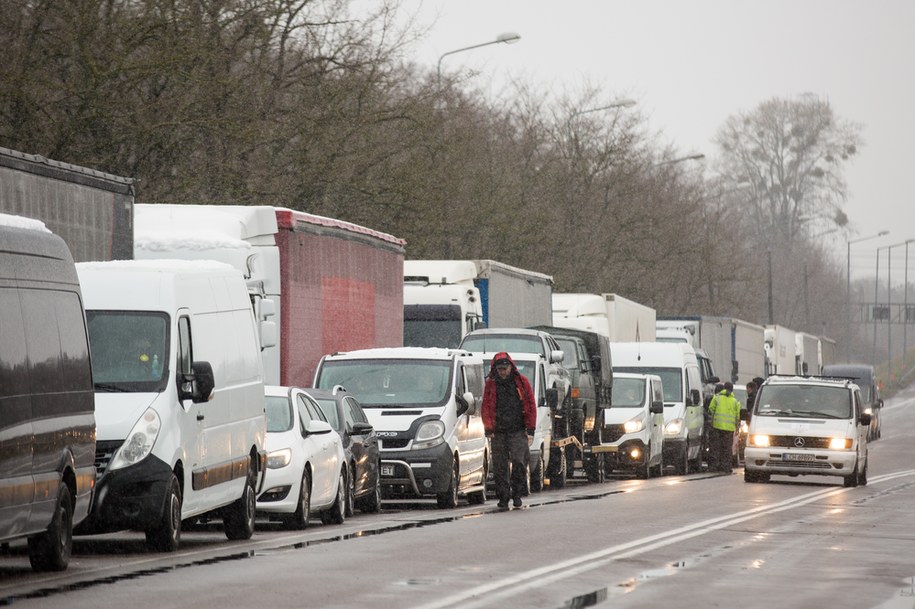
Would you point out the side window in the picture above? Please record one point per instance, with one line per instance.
(314, 411)
(185, 348)
(692, 381)
(541, 392)
(473, 382)
(13, 360)
(41, 335)
(353, 413)
(856, 399)
(74, 345)
(657, 393)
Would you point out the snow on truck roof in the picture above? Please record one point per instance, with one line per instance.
(23, 222)
(434, 353)
(160, 265)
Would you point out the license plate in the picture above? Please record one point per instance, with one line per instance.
(387, 470)
(798, 457)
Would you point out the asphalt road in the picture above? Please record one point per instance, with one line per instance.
(703, 540)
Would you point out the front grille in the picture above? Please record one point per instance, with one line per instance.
(792, 442)
(800, 464)
(104, 451)
(394, 443)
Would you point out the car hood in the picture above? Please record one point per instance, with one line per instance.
(398, 419)
(618, 416)
(116, 413)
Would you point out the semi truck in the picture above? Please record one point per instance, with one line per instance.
(734, 348)
(331, 285)
(90, 210)
(616, 317)
(446, 299)
(780, 349)
(807, 352)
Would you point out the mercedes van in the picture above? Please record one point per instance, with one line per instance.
(684, 419)
(179, 397)
(47, 408)
(424, 404)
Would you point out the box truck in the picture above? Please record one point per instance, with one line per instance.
(616, 317)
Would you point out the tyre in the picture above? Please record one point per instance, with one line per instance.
(165, 535)
(238, 519)
(862, 477)
(851, 480)
(643, 470)
(660, 466)
(594, 468)
(351, 493)
(448, 498)
(538, 475)
(371, 504)
(299, 519)
(749, 476)
(682, 464)
(50, 551)
(337, 512)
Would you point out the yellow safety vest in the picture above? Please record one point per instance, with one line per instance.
(725, 411)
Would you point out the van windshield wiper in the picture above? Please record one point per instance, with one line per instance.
(816, 414)
(110, 388)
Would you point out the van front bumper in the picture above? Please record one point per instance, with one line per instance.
(628, 452)
(129, 498)
(778, 460)
(416, 473)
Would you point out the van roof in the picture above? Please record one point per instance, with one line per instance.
(433, 353)
(630, 354)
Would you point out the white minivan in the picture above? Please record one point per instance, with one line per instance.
(684, 419)
(424, 404)
(179, 397)
(633, 427)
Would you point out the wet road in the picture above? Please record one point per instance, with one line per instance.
(690, 541)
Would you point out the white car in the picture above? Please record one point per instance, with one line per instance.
(306, 469)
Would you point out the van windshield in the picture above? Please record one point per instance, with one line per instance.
(390, 382)
(628, 393)
(671, 379)
(807, 401)
(494, 343)
(129, 350)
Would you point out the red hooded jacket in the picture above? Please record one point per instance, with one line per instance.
(525, 392)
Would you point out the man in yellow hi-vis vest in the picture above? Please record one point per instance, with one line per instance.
(724, 410)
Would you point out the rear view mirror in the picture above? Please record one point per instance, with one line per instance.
(466, 404)
(695, 396)
(362, 429)
(865, 418)
(199, 384)
(657, 407)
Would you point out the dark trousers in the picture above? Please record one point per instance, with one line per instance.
(721, 444)
(510, 457)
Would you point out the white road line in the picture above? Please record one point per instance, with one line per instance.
(487, 593)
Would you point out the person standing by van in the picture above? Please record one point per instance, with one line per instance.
(509, 418)
(724, 410)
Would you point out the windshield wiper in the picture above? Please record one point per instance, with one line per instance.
(816, 414)
(111, 388)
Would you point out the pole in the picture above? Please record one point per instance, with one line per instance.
(889, 307)
(905, 308)
(874, 309)
(771, 314)
(848, 307)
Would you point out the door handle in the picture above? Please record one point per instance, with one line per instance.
(199, 416)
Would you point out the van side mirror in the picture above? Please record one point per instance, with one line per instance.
(695, 396)
(267, 334)
(556, 356)
(656, 407)
(198, 385)
(865, 418)
(466, 404)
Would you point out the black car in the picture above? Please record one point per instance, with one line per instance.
(360, 445)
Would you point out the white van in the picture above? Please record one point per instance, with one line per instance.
(424, 404)
(684, 418)
(633, 429)
(179, 397)
(803, 425)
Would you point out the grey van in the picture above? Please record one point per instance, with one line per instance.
(864, 377)
(47, 405)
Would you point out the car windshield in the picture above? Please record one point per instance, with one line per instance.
(671, 379)
(390, 382)
(129, 350)
(741, 395)
(279, 413)
(432, 332)
(526, 368)
(628, 393)
(806, 401)
(329, 408)
(494, 343)
(569, 353)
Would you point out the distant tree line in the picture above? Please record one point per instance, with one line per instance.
(299, 103)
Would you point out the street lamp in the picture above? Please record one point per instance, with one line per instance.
(848, 291)
(507, 38)
(889, 300)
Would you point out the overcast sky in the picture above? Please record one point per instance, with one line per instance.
(692, 63)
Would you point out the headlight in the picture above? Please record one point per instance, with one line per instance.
(633, 426)
(139, 441)
(869, 410)
(673, 428)
(279, 458)
(839, 443)
(759, 440)
(429, 434)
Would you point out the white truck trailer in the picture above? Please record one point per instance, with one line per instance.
(618, 318)
(446, 299)
(781, 348)
(734, 347)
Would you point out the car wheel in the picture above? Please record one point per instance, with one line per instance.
(165, 535)
(337, 512)
(351, 493)
(862, 477)
(448, 498)
(682, 464)
(660, 467)
(538, 475)
(238, 520)
(299, 518)
(851, 480)
(50, 551)
(371, 504)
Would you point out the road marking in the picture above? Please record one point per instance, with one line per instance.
(485, 594)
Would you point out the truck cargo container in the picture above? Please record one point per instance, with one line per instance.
(446, 299)
(734, 348)
(781, 347)
(807, 353)
(334, 286)
(612, 315)
(92, 211)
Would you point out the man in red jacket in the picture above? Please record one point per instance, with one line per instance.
(509, 418)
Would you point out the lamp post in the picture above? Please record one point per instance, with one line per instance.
(848, 291)
(889, 300)
(507, 38)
